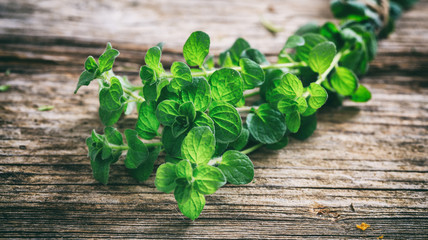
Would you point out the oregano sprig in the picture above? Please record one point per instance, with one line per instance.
(195, 109)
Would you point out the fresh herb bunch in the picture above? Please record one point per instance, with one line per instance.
(195, 110)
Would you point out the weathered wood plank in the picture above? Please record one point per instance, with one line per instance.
(369, 156)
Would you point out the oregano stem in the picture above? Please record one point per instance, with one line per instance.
(251, 94)
(252, 149)
(244, 109)
(132, 94)
(118, 147)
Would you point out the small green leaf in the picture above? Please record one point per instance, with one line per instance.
(90, 64)
(167, 111)
(226, 85)
(85, 78)
(182, 74)
(361, 95)
(106, 60)
(193, 207)
(242, 140)
(227, 122)
(109, 118)
(187, 109)
(137, 152)
(236, 50)
(147, 75)
(203, 119)
(302, 105)
(184, 170)
(110, 97)
(311, 40)
(237, 167)
(199, 145)
(307, 127)
(289, 87)
(196, 48)
(255, 55)
(252, 73)
(147, 123)
(266, 125)
(318, 96)
(4, 88)
(311, 27)
(344, 81)
(152, 59)
(183, 193)
(165, 177)
(287, 106)
(171, 143)
(226, 60)
(294, 41)
(198, 92)
(209, 62)
(292, 120)
(208, 179)
(321, 56)
(45, 108)
(143, 171)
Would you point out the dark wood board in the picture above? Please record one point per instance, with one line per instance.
(365, 163)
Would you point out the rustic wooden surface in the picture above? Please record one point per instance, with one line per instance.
(365, 163)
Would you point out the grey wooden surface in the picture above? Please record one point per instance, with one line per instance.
(365, 163)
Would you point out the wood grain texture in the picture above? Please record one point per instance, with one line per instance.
(365, 163)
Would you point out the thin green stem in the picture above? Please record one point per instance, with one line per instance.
(323, 76)
(244, 109)
(252, 149)
(251, 94)
(118, 147)
(132, 94)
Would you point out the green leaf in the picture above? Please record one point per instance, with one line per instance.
(302, 105)
(236, 50)
(183, 193)
(321, 56)
(193, 207)
(252, 73)
(237, 167)
(208, 179)
(292, 120)
(184, 169)
(85, 78)
(311, 40)
(143, 171)
(198, 92)
(165, 177)
(307, 127)
(147, 75)
(344, 81)
(106, 60)
(109, 118)
(255, 55)
(167, 111)
(147, 123)
(196, 48)
(294, 41)
(199, 145)
(100, 170)
(311, 27)
(90, 64)
(266, 125)
(203, 119)
(152, 59)
(318, 96)
(227, 121)
(187, 109)
(182, 74)
(361, 95)
(289, 87)
(226, 60)
(226, 85)
(242, 140)
(278, 145)
(171, 143)
(4, 88)
(287, 106)
(110, 97)
(209, 62)
(137, 152)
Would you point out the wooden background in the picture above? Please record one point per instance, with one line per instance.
(365, 163)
